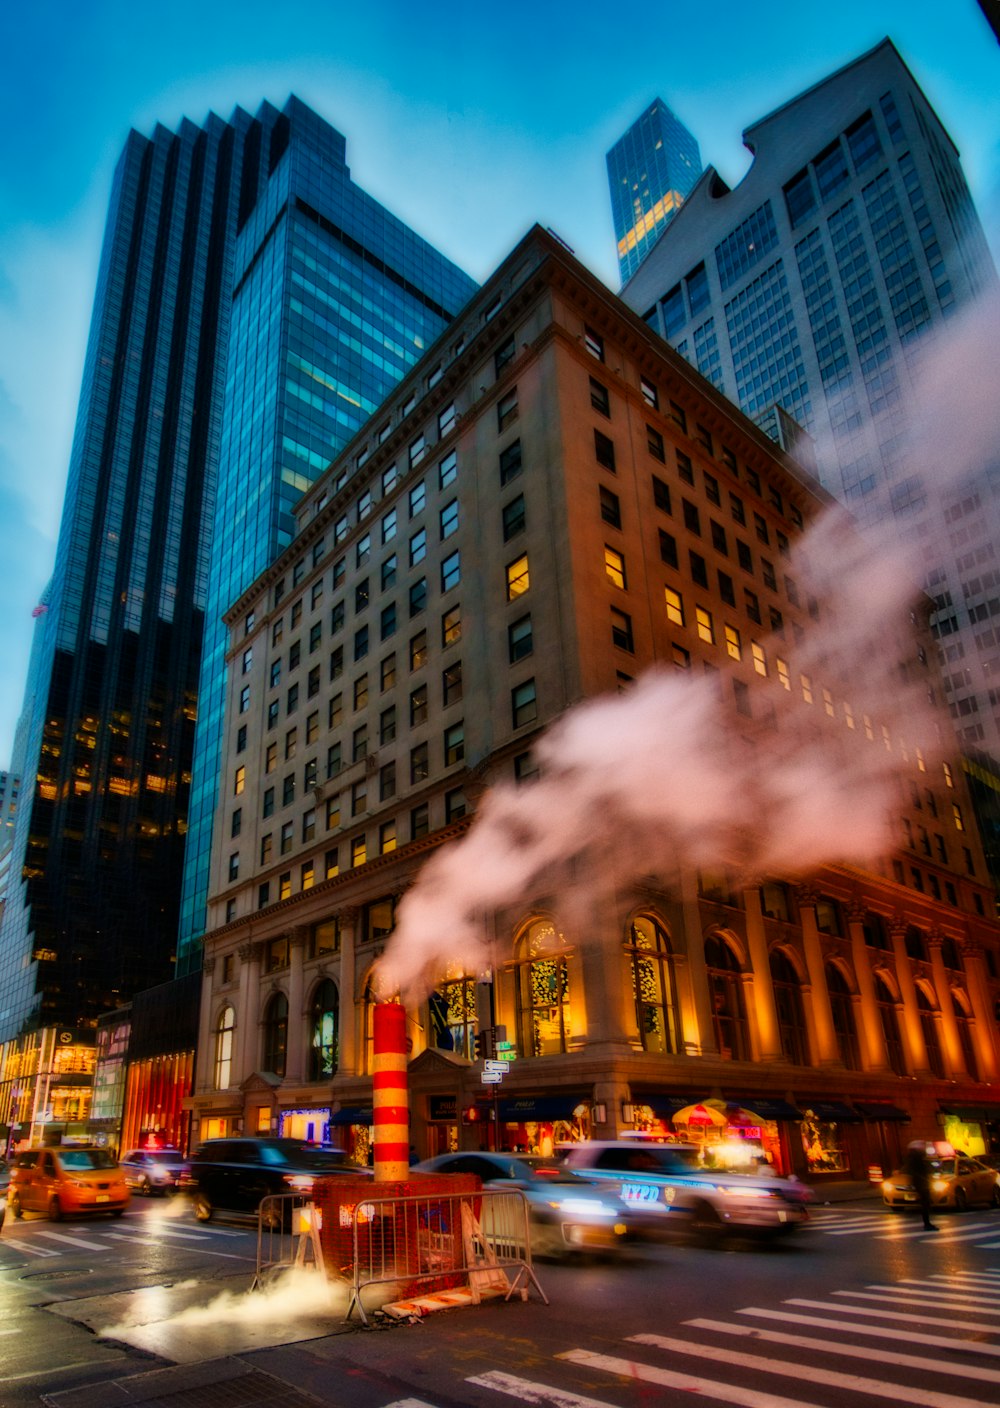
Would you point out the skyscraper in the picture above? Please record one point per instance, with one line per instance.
(813, 287)
(650, 171)
(197, 240)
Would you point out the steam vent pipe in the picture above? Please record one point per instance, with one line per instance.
(389, 1088)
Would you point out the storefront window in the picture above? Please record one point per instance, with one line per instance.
(324, 1033)
(788, 1004)
(653, 992)
(842, 1010)
(224, 1048)
(822, 1142)
(725, 986)
(543, 991)
(275, 1034)
(453, 1015)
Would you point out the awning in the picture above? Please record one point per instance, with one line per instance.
(662, 1104)
(979, 1114)
(830, 1110)
(353, 1114)
(540, 1107)
(766, 1106)
(882, 1112)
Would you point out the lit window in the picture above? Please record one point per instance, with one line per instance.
(704, 625)
(614, 566)
(828, 703)
(239, 780)
(518, 577)
(759, 658)
(956, 812)
(675, 606)
(733, 646)
(783, 676)
(807, 692)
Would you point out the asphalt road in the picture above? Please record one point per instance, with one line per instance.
(863, 1306)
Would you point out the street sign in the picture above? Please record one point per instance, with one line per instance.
(500, 1066)
(491, 1077)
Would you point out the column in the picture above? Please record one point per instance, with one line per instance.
(983, 1027)
(600, 1005)
(913, 1036)
(827, 1050)
(954, 1061)
(248, 1024)
(693, 996)
(205, 1077)
(295, 1048)
(761, 1009)
(348, 1038)
(871, 1038)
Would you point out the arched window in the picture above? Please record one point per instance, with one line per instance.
(452, 1008)
(224, 1028)
(932, 1036)
(964, 1021)
(842, 1009)
(890, 1026)
(647, 953)
(275, 1034)
(324, 1031)
(725, 988)
(789, 1009)
(543, 1009)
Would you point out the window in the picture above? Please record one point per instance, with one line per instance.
(451, 683)
(234, 866)
(276, 1030)
(447, 420)
(241, 739)
(599, 398)
(419, 763)
(594, 343)
(451, 572)
(418, 597)
(387, 837)
(759, 658)
(359, 796)
(518, 577)
(337, 616)
(684, 467)
(621, 630)
(387, 725)
(417, 450)
(752, 606)
(510, 462)
(449, 519)
(604, 450)
(507, 409)
(294, 655)
(454, 744)
(661, 495)
(418, 498)
(513, 518)
(734, 647)
(651, 980)
(324, 1018)
(699, 572)
(719, 538)
(454, 805)
(520, 642)
(387, 621)
(692, 519)
(504, 354)
(524, 703)
(668, 548)
(361, 643)
(726, 589)
(418, 705)
(285, 842)
(312, 682)
(726, 1002)
(288, 789)
(332, 812)
(222, 1065)
(419, 821)
(387, 782)
(292, 701)
(451, 626)
(277, 631)
(267, 802)
(418, 650)
(389, 572)
(273, 709)
(649, 393)
(418, 547)
(247, 659)
(331, 862)
(244, 699)
(239, 780)
(387, 672)
(448, 470)
(543, 999)
(236, 823)
(315, 636)
(361, 692)
(291, 740)
(335, 712)
(704, 625)
(744, 555)
(359, 743)
(611, 510)
(675, 606)
(760, 527)
(614, 567)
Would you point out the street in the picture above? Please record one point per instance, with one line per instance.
(863, 1304)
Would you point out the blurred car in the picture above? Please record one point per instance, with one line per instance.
(956, 1182)
(4, 1185)
(566, 1213)
(65, 1181)
(667, 1186)
(151, 1171)
(233, 1175)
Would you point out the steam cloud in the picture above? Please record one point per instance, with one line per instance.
(668, 776)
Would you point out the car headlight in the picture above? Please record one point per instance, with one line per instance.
(941, 1185)
(582, 1207)
(299, 1182)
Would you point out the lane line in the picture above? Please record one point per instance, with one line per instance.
(855, 1383)
(891, 1315)
(854, 1351)
(689, 1383)
(528, 1392)
(877, 1331)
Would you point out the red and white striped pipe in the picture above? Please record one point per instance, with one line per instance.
(390, 1091)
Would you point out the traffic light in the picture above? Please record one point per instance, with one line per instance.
(486, 1044)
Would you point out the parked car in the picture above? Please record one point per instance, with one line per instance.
(956, 1182)
(151, 1171)
(566, 1213)
(66, 1181)
(233, 1175)
(4, 1185)
(666, 1184)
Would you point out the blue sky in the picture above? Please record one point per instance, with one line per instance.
(469, 122)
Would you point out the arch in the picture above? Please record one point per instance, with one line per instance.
(452, 1013)
(275, 1034)
(840, 992)
(650, 973)
(786, 983)
(541, 959)
(725, 991)
(222, 1057)
(324, 1030)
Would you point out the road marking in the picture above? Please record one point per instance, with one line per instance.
(168, 1232)
(150, 1242)
(668, 1378)
(20, 1246)
(73, 1241)
(878, 1388)
(916, 1299)
(892, 1315)
(410, 1403)
(59, 1369)
(854, 1351)
(542, 1394)
(875, 1331)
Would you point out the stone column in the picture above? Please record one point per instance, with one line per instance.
(913, 1036)
(983, 1026)
(693, 996)
(348, 1036)
(248, 1023)
(206, 1046)
(954, 1061)
(763, 1014)
(827, 1052)
(295, 1047)
(870, 1034)
(601, 1007)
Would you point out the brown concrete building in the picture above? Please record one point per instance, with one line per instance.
(552, 503)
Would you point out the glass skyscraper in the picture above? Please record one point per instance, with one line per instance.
(650, 171)
(198, 241)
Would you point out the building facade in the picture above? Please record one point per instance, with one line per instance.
(551, 504)
(651, 169)
(197, 248)
(815, 286)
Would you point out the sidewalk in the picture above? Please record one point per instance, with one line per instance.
(846, 1192)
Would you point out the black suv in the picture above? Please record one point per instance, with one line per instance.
(233, 1175)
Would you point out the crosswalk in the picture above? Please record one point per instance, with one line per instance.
(40, 1240)
(982, 1230)
(838, 1350)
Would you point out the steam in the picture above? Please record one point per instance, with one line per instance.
(669, 775)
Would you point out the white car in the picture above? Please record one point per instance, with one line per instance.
(666, 1183)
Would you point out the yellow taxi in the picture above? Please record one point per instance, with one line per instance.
(66, 1181)
(956, 1181)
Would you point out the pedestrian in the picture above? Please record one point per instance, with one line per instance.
(918, 1166)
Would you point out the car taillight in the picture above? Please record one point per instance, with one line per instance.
(299, 1182)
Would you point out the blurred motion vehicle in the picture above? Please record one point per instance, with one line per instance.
(956, 1182)
(66, 1181)
(666, 1185)
(233, 1175)
(567, 1213)
(4, 1185)
(151, 1171)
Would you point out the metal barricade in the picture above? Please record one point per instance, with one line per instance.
(288, 1228)
(480, 1242)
